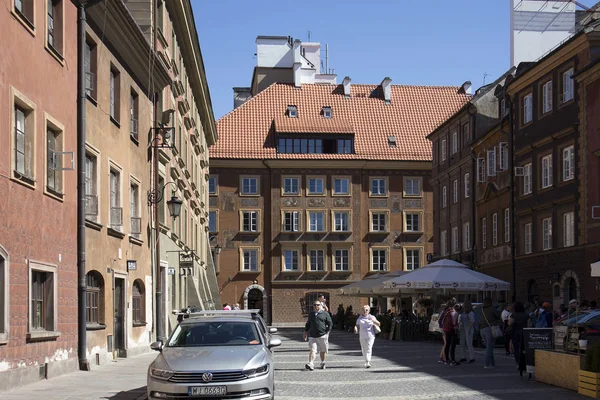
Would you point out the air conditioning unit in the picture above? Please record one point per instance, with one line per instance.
(519, 171)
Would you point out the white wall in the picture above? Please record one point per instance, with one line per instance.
(273, 53)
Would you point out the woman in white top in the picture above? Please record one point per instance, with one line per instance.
(466, 321)
(364, 325)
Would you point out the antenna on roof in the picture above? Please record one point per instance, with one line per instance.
(485, 75)
(326, 58)
(309, 36)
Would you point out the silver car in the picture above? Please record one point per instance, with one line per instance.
(216, 354)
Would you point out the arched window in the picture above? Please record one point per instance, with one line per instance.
(94, 305)
(570, 290)
(138, 303)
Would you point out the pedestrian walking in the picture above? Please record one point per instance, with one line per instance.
(317, 330)
(489, 330)
(450, 327)
(226, 306)
(365, 328)
(518, 320)
(236, 306)
(508, 345)
(442, 359)
(466, 324)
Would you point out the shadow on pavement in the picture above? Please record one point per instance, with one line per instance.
(133, 394)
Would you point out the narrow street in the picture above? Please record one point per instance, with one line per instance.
(400, 371)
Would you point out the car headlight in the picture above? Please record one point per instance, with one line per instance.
(161, 373)
(262, 370)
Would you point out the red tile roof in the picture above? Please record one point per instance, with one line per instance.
(415, 111)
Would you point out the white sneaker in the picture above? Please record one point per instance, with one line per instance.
(309, 366)
(368, 365)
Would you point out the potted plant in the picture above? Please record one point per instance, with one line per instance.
(589, 376)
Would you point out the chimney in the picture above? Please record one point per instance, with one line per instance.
(297, 72)
(241, 95)
(296, 50)
(346, 83)
(386, 85)
(466, 88)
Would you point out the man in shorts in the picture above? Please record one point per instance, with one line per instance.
(317, 330)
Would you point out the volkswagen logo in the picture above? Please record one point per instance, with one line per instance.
(207, 376)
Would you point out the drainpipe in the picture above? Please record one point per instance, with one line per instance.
(473, 181)
(84, 365)
(512, 198)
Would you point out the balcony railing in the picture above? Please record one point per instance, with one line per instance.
(116, 217)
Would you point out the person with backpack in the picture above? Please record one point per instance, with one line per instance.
(545, 317)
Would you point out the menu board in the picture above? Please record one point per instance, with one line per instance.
(535, 339)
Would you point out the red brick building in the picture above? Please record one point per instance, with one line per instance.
(38, 235)
(314, 186)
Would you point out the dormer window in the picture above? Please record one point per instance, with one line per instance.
(392, 141)
(327, 112)
(292, 111)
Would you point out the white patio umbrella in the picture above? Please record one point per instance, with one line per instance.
(446, 275)
(371, 285)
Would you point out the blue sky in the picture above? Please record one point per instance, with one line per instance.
(414, 42)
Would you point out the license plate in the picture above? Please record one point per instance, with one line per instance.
(207, 390)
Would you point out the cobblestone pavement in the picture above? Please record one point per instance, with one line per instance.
(400, 371)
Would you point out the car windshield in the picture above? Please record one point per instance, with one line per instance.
(574, 319)
(214, 333)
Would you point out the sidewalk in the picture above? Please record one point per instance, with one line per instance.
(121, 380)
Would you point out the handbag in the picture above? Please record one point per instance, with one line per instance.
(376, 328)
(496, 331)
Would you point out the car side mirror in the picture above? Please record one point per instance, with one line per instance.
(274, 343)
(272, 330)
(158, 345)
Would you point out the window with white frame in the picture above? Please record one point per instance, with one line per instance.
(506, 225)
(291, 185)
(379, 260)
(443, 243)
(503, 108)
(413, 259)
(568, 86)
(484, 232)
(480, 170)
(547, 233)
(316, 186)
(494, 229)
(291, 221)
(341, 221)
(54, 138)
(413, 222)
(467, 185)
(24, 128)
(116, 211)
(568, 154)
(316, 221)
(412, 187)
(547, 97)
(316, 260)
(527, 108)
(134, 210)
(466, 134)
(455, 191)
(212, 185)
(454, 238)
(341, 260)
(491, 162)
(291, 260)
(249, 186)
(568, 229)
(378, 187)
(466, 236)
(43, 293)
(249, 259)
(454, 142)
(443, 150)
(527, 175)
(114, 91)
(527, 238)
(341, 186)
(503, 149)
(547, 171)
(249, 221)
(379, 222)
(444, 198)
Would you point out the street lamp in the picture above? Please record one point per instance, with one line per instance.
(174, 204)
(218, 249)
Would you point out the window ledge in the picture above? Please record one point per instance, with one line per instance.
(91, 99)
(115, 233)
(23, 180)
(3, 338)
(93, 224)
(42, 335)
(55, 195)
(55, 54)
(114, 121)
(135, 240)
(249, 272)
(138, 324)
(134, 140)
(94, 327)
(24, 21)
(249, 195)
